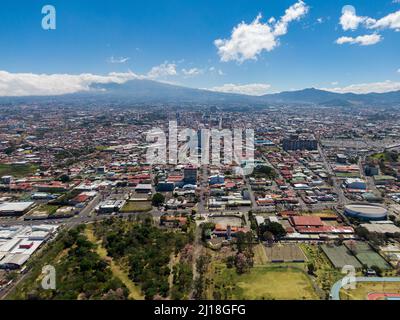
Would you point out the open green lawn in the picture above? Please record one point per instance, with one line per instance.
(17, 170)
(348, 174)
(50, 209)
(136, 206)
(385, 156)
(263, 282)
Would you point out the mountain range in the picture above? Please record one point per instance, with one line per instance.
(148, 91)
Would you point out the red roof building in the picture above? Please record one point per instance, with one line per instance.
(306, 221)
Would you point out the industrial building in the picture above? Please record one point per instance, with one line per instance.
(18, 243)
(110, 206)
(15, 208)
(382, 227)
(143, 188)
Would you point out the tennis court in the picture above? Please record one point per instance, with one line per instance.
(340, 256)
(367, 256)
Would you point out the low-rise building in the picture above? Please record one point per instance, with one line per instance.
(15, 208)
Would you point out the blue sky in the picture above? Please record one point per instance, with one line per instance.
(177, 38)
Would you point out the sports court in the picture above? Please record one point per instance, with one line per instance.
(366, 255)
(340, 256)
(285, 253)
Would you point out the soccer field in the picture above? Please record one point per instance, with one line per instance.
(264, 282)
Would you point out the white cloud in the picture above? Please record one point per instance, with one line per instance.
(293, 13)
(366, 40)
(378, 87)
(247, 41)
(391, 21)
(118, 60)
(163, 70)
(25, 84)
(350, 21)
(192, 72)
(253, 89)
(398, 70)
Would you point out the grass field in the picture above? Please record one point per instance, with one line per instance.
(18, 170)
(348, 175)
(136, 206)
(262, 283)
(50, 209)
(385, 156)
(363, 289)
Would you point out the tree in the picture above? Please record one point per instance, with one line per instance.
(377, 270)
(242, 263)
(362, 232)
(264, 171)
(364, 267)
(244, 241)
(230, 262)
(269, 237)
(274, 227)
(158, 199)
(65, 178)
(352, 247)
(311, 268)
(202, 263)
(206, 229)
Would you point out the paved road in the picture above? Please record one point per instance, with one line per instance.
(342, 200)
(335, 291)
(202, 183)
(251, 193)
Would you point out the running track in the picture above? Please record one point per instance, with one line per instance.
(338, 285)
(381, 296)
